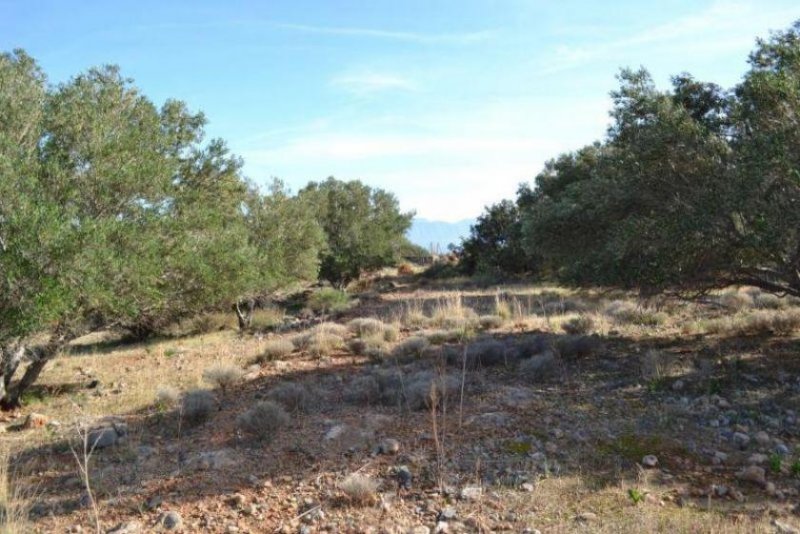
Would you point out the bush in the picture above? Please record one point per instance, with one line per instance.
(263, 420)
(573, 347)
(735, 300)
(483, 353)
(363, 389)
(391, 333)
(768, 301)
(531, 346)
(623, 312)
(413, 347)
(582, 324)
(223, 375)
(293, 396)
(264, 318)
(540, 367)
(328, 300)
(366, 326)
(439, 337)
(367, 344)
(759, 322)
(321, 344)
(197, 405)
(359, 489)
(424, 389)
(489, 322)
(275, 349)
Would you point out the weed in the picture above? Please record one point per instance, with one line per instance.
(293, 396)
(795, 468)
(775, 463)
(636, 495)
(275, 349)
(223, 375)
(359, 489)
(167, 397)
(582, 324)
(197, 405)
(413, 347)
(490, 322)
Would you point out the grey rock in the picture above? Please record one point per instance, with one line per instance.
(762, 438)
(447, 514)
(106, 436)
(741, 439)
(130, 527)
(211, 460)
(754, 474)
(490, 419)
(171, 521)
(782, 449)
(471, 493)
(650, 460)
(389, 446)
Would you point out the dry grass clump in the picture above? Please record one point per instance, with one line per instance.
(531, 346)
(491, 322)
(574, 347)
(359, 489)
(412, 347)
(425, 389)
(754, 323)
(14, 501)
(366, 326)
(202, 324)
(373, 346)
(263, 420)
(197, 405)
(483, 353)
(223, 375)
(625, 312)
(654, 365)
(540, 366)
(264, 318)
(296, 398)
(275, 349)
(735, 300)
(768, 301)
(322, 340)
(391, 332)
(335, 329)
(167, 397)
(439, 337)
(503, 308)
(553, 303)
(582, 324)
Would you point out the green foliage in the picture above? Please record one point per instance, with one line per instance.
(695, 187)
(328, 300)
(364, 227)
(775, 463)
(795, 468)
(636, 496)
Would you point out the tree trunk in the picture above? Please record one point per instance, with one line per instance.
(244, 313)
(40, 357)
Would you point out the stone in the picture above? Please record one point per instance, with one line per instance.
(130, 527)
(757, 458)
(404, 478)
(212, 460)
(650, 461)
(35, 420)
(447, 514)
(678, 385)
(527, 486)
(153, 502)
(171, 520)
(754, 474)
(782, 527)
(107, 435)
(489, 419)
(741, 439)
(471, 493)
(720, 490)
(334, 433)
(586, 517)
(762, 438)
(782, 449)
(389, 446)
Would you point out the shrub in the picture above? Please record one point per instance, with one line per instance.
(362, 389)
(321, 344)
(489, 322)
(223, 375)
(438, 337)
(361, 346)
(502, 308)
(624, 312)
(485, 353)
(653, 365)
(359, 489)
(424, 389)
(293, 396)
(735, 300)
(391, 333)
(263, 420)
(413, 347)
(582, 324)
(264, 318)
(540, 367)
(275, 349)
(759, 322)
(573, 347)
(328, 300)
(366, 326)
(331, 328)
(531, 346)
(197, 405)
(167, 397)
(768, 301)
(405, 269)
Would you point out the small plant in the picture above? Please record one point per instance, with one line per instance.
(775, 463)
(328, 300)
(490, 322)
(293, 396)
(582, 324)
(636, 495)
(223, 375)
(486, 353)
(795, 468)
(391, 333)
(439, 337)
(502, 308)
(574, 347)
(197, 405)
(275, 349)
(263, 420)
(322, 344)
(365, 326)
(540, 366)
(359, 489)
(364, 345)
(167, 397)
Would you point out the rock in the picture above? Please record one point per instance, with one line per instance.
(171, 520)
(334, 433)
(650, 460)
(770, 488)
(586, 517)
(527, 487)
(389, 446)
(741, 439)
(212, 460)
(757, 458)
(131, 527)
(404, 477)
(678, 385)
(719, 490)
(107, 435)
(447, 514)
(782, 449)
(762, 438)
(754, 474)
(35, 420)
(442, 527)
(719, 457)
(237, 501)
(471, 493)
(153, 502)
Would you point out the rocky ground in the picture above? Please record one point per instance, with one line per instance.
(521, 410)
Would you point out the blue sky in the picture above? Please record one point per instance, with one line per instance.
(449, 104)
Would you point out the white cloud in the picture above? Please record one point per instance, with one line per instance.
(367, 83)
(412, 37)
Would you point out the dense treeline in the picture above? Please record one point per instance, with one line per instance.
(116, 213)
(693, 188)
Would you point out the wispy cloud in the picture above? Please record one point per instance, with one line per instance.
(722, 26)
(406, 36)
(367, 83)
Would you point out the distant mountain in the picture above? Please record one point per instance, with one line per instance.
(438, 234)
